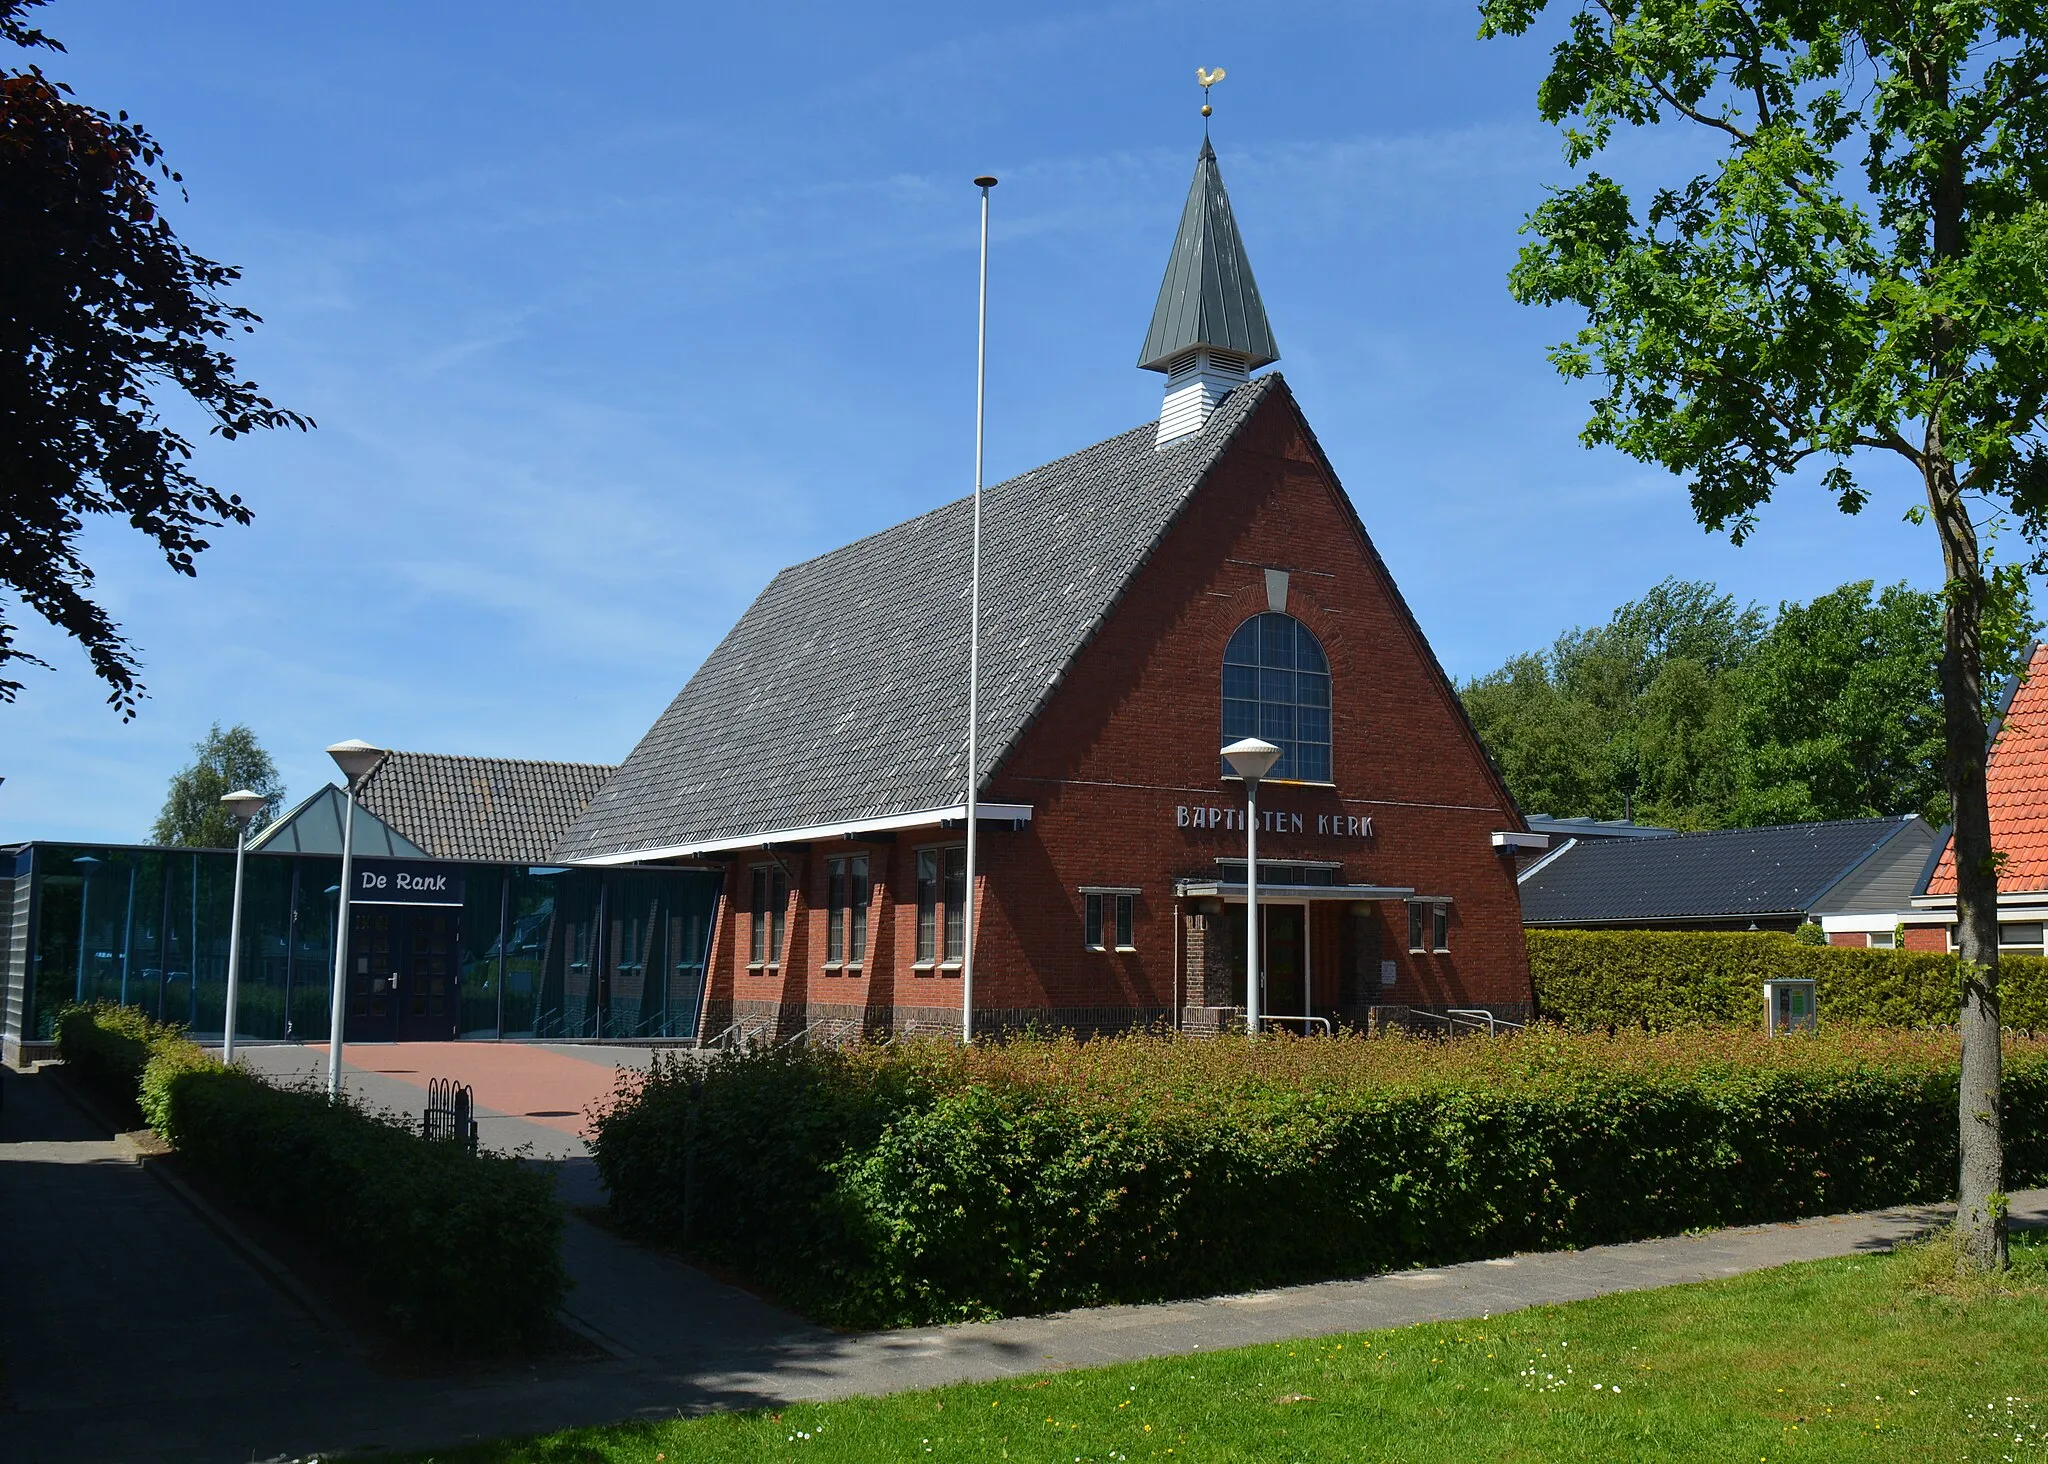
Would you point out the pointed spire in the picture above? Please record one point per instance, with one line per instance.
(1208, 300)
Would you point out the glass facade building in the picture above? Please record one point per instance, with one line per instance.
(535, 952)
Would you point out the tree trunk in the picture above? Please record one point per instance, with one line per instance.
(1980, 1209)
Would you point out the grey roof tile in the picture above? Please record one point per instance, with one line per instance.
(1780, 869)
(841, 693)
(498, 809)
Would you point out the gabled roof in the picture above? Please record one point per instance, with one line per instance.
(841, 693)
(497, 809)
(2016, 782)
(313, 826)
(1779, 870)
(1208, 297)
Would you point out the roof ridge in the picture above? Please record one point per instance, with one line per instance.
(543, 762)
(1815, 823)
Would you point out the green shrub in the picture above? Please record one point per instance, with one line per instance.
(1656, 980)
(891, 1186)
(106, 1047)
(170, 1059)
(462, 1248)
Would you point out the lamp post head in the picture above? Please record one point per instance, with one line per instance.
(355, 757)
(1252, 758)
(242, 806)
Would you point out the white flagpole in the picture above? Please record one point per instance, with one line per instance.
(974, 639)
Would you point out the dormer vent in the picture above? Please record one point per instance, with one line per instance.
(1209, 330)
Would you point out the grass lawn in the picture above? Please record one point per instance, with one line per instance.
(1831, 1360)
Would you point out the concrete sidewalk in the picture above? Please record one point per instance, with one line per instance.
(134, 1332)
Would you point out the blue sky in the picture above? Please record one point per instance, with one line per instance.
(607, 312)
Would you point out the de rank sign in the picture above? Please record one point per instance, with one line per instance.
(406, 882)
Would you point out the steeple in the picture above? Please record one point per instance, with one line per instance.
(1209, 329)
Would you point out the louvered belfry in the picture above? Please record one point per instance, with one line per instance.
(1209, 330)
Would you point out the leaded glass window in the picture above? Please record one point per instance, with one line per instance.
(1276, 685)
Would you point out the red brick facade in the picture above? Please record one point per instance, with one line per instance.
(1128, 741)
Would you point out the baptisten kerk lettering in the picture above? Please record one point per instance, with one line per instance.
(1273, 821)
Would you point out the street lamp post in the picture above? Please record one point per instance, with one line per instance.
(355, 758)
(242, 806)
(1251, 759)
(86, 864)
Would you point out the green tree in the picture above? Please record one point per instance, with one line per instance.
(222, 762)
(1841, 707)
(1860, 270)
(101, 306)
(1548, 745)
(1629, 717)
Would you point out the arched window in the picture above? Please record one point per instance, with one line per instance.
(1276, 685)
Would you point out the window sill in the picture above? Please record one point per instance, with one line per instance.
(949, 968)
(1098, 947)
(835, 965)
(1124, 950)
(923, 968)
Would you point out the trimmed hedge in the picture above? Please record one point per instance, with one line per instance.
(463, 1248)
(460, 1248)
(1656, 980)
(107, 1046)
(889, 1187)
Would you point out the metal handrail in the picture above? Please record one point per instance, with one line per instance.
(736, 1034)
(1473, 1017)
(1329, 1030)
(836, 1029)
(909, 1029)
(1477, 1014)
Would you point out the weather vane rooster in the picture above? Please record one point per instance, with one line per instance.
(1207, 80)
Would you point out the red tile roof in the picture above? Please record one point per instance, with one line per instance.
(2017, 780)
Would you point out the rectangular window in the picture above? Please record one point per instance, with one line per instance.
(2020, 935)
(835, 912)
(1091, 922)
(1123, 922)
(857, 895)
(956, 904)
(927, 906)
(1884, 939)
(1416, 915)
(846, 910)
(1440, 927)
(770, 912)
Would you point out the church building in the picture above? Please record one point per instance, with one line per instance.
(1145, 601)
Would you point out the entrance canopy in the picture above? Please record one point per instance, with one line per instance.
(1233, 892)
